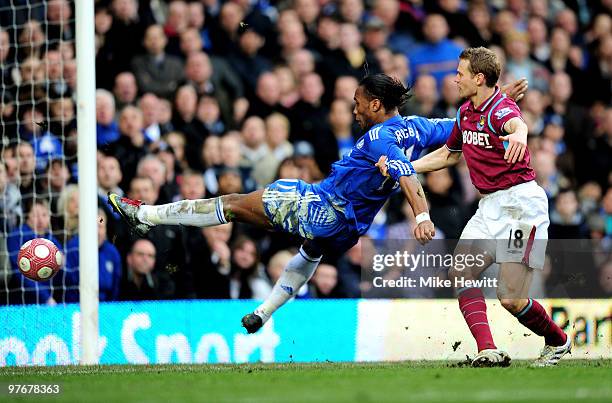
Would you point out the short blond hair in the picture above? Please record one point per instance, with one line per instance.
(483, 61)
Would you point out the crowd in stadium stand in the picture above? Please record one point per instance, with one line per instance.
(193, 103)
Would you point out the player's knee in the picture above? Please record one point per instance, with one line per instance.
(312, 249)
(462, 275)
(512, 305)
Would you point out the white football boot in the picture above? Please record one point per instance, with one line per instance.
(551, 355)
(491, 358)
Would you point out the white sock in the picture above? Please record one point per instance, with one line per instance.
(298, 271)
(197, 213)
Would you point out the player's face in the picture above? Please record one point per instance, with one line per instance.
(364, 115)
(465, 80)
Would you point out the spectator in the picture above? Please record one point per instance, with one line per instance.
(225, 37)
(31, 40)
(576, 122)
(109, 268)
(253, 148)
(107, 129)
(291, 39)
(518, 63)
(37, 225)
(267, 96)
(125, 89)
(197, 20)
(140, 283)
(27, 165)
(149, 105)
(605, 279)
(275, 268)
(122, 41)
(109, 177)
(152, 167)
(277, 136)
(247, 61)
(538, 39)
(5, 68)
(289, 94)
(46, 145)
(399, 29)
(10, 203)
(246, 278)
(156, 71)
(352, 11)
(167, 238)
(213, 161)
(425, 99)
(460, 27)
(230, 181)
(209, 115)
(327, 37)
(566, 219)
(68, 212)
(308, 115)
(63, 120)
(445, 201)
(344, 88)
(165, 154)
(480, 18)
(438, 56)
(325, 281)
(184, 120)
(176, 141)
(304, 157)
(340, 120)
(132, 144)
(192, 186)
(177, 22)
(57, 177)
(449, 100)
(55, 83)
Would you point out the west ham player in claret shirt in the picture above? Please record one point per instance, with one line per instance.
(511, 224)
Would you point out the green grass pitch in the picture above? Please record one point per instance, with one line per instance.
(572, 380)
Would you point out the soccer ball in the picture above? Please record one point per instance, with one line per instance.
(39, 259)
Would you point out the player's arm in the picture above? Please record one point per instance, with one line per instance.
(516, 138)
(442, 158)
(398, 167)
(413, 191)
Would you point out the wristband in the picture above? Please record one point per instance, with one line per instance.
(422, 217)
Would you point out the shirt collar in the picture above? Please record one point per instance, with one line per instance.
(486, 103)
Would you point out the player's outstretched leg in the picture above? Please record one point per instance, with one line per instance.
(199, 213)
(515, 280)
(474, 310)
(298, 271)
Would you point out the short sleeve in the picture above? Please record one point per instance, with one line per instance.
(500, 114)
(380, 141)
(432, 132)
(455, 140)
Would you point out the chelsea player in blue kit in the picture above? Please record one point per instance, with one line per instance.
(331, 215)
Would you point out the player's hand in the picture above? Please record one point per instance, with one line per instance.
(517, 144)
(516, 89)
(382, 165)
(424, 232)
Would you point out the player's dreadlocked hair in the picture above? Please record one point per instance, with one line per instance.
(389, 90)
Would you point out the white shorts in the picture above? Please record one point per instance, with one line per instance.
(512, 224)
